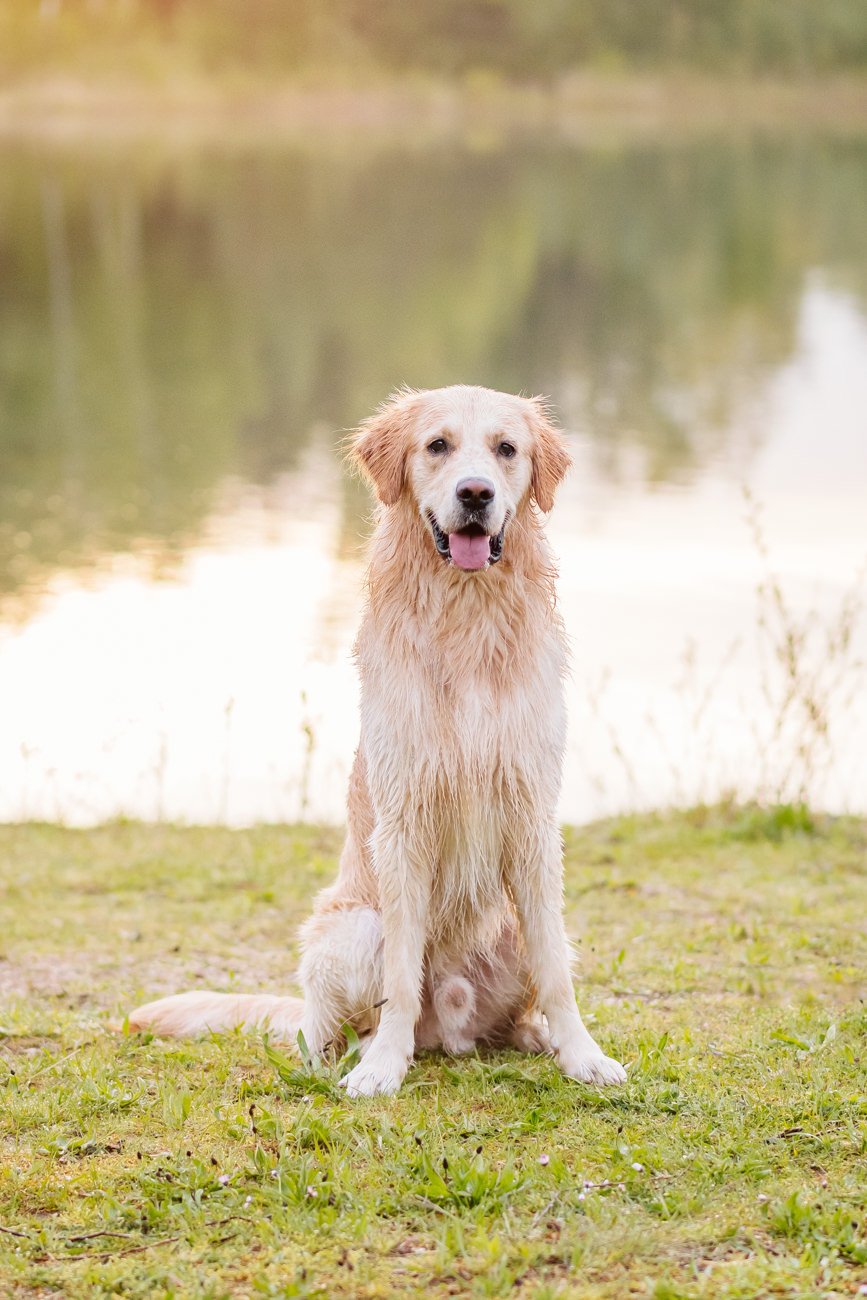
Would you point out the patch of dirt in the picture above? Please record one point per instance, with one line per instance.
(80, 979)
(12, 1045)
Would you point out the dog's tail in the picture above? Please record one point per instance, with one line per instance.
(187, 1015)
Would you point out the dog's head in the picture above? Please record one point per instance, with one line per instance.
(469, 459)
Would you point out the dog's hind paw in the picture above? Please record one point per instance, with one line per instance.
(595, 1068)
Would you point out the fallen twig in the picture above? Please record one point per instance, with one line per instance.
(233, 1218)
(103, 1232)
(230, 1236)
(116, 1254)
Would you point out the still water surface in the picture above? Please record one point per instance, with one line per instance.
(185, 333)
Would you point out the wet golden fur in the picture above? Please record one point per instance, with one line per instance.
(447, 904)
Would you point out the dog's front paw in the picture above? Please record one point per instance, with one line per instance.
(592, 1067)
(377, 1072)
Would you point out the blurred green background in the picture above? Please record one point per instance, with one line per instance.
(511, 38)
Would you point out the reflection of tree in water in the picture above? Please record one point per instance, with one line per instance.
(662, 297)
(671, 280)
(166, 322)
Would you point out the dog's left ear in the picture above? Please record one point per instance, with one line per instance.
(381, 445)
(551, 460)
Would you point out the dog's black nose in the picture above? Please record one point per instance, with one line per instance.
(475, 492)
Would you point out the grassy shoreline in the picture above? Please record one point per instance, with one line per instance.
(723, 958)
(68, 106)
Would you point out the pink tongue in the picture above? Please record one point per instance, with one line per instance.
(470, 552)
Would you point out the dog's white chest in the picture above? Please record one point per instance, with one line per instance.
(467, 895)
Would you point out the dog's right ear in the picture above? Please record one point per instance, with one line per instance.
(381, 445)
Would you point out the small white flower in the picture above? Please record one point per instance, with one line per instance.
(761, 1197)
(580, 1196)
(248, 1201)
(273, 1173)
(311, 1191)
(223, 1179)
(639, 1169)
(862, 1290)
(544, 1159)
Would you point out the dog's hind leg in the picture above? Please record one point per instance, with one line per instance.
(341, 973)
(530, 1034)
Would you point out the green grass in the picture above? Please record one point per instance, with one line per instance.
(723, 958)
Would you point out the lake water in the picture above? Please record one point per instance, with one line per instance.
(186, 332)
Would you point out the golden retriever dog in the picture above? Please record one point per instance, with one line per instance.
(444, 927)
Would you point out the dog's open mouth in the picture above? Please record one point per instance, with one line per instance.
(470, 547)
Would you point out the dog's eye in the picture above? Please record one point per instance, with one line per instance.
(506, 450)
(438, 446)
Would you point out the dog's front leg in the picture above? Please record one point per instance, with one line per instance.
(535, 883)
(404, 870)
